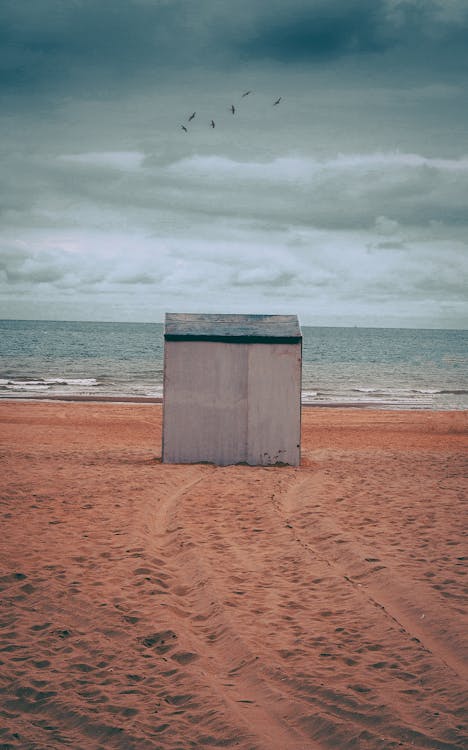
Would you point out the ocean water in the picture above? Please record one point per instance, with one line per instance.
(372, 367)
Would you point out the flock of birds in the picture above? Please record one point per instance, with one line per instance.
(232, 109)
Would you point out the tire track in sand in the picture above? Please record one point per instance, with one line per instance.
(225, 661)
(414, 611)
(283, 634)
(433, 646)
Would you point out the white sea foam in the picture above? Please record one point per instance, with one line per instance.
(367, 390)
(72, 381)
(41, 385)
(392, 398)
(309, 395)
(23, 386)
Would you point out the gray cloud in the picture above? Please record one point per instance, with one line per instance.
(107, 46)
(325, 270)
(348, 197)
(17, 266)
(345, 192)
(382, 193)
(49, 40)
(321, 30)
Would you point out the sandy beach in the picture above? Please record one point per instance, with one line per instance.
(148, 606)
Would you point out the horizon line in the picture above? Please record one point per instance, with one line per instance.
(304, 325)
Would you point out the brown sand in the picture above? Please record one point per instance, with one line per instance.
(151, 606)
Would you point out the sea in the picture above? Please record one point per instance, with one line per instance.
(379, 368)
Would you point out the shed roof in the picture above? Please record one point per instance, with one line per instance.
(252, 329)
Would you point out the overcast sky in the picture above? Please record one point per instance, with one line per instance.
(346, 203)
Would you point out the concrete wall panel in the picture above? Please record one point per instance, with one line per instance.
(274, 404)
(205, 402)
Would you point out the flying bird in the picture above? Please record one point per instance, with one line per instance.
(277, 101)
(184, 128)
(192, 116)
(212, 123)
(246, 93)
(233, 109)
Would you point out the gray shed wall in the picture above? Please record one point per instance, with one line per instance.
(231, 403)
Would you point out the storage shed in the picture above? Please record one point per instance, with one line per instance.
(232, 389)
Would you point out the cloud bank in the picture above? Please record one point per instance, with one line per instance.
(365, 232)
(345, 203)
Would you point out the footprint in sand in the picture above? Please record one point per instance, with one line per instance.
(42, 664)
(184, 657)
(178, 700)
(161, 642)
(41, 627)
(359, 688)
(81, 667)
(134, 677)
(132, 619)
(63, 633)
